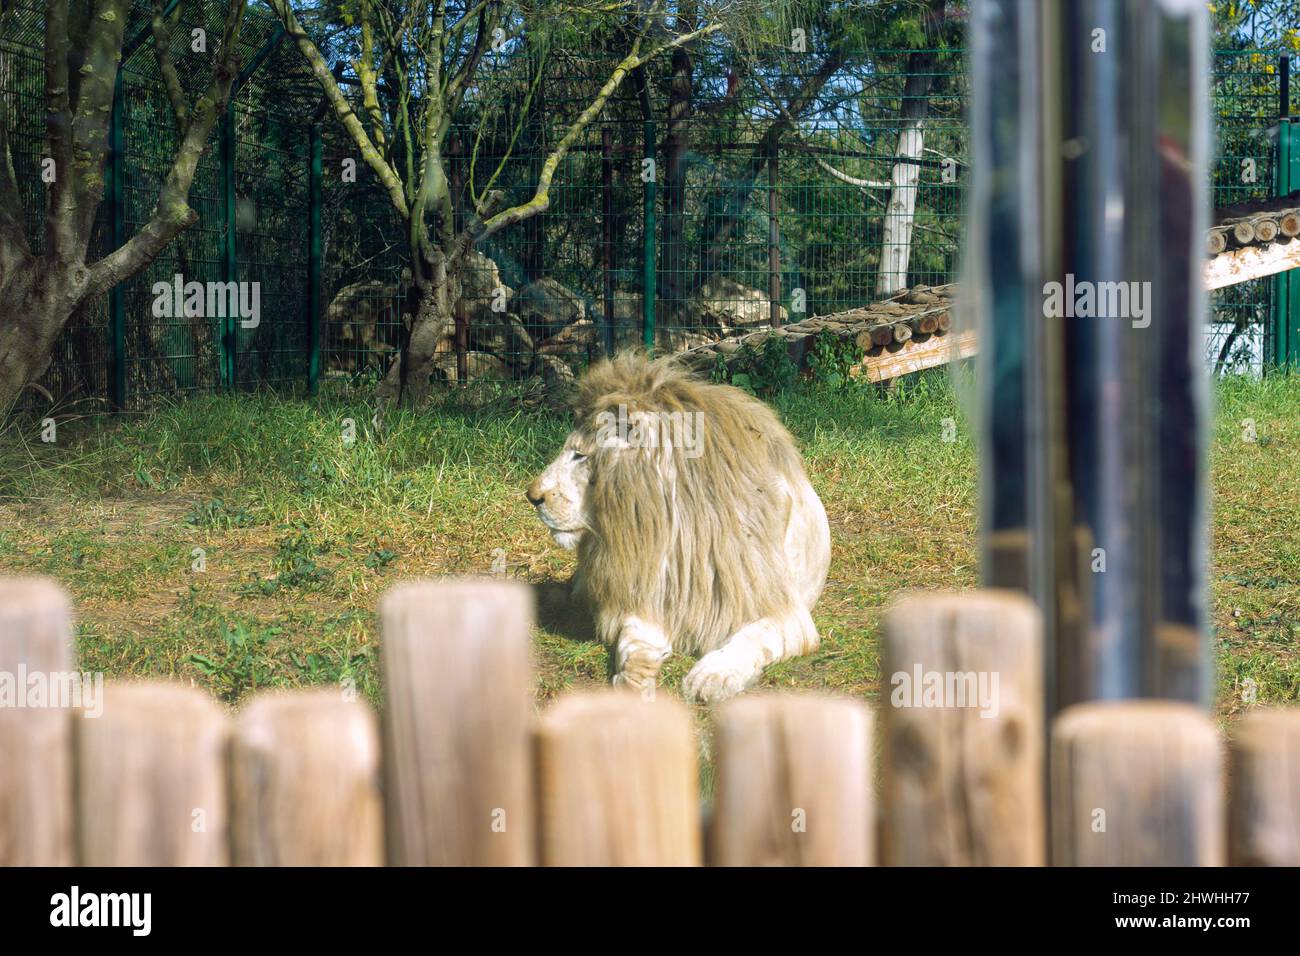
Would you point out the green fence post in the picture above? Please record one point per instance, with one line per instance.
(1279, 352)
(773, 235)
(1286, 285)
(117, 227)
(314, 242)
(229, 247)
(649, 175)
(115, 197)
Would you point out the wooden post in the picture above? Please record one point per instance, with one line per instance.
(962, 724)
(1264, 820)
(458, 688)
(1136, 783)
(151, 779)
(794, 783)
(617, 782)
(35, 741)
(305, 783)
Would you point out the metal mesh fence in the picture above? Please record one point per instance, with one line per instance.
(670, 221)
(249, 193)
(1244, 97)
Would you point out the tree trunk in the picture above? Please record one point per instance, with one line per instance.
(38, 304)
(429, 319)
(900, 212)
(87, 339)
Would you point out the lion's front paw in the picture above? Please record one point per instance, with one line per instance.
(628, 682)
(715, 678)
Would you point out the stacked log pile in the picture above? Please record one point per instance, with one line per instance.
(1260, 228)
(920, 316)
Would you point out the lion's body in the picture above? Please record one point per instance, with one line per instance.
(708, 539)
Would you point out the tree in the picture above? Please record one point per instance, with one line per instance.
(429, 56)
(676, 146)
(41, 291)
(904, 178)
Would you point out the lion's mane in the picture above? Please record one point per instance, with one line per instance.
(693, 544)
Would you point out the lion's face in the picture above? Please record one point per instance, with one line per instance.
(560, 492)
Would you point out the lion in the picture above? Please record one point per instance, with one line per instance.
(697, 531)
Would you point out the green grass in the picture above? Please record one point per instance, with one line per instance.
(297, 531)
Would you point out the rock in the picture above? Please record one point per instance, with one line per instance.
(545, 307)
(727, 305)
(479, 366)
(557, 375)
(577, 339)
(480, 280)
(491, 329)
(362, 318)
(504, 335)
(629, 318)
(678, 340)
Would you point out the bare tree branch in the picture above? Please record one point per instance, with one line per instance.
(514, 136)
(825, 166)
(373, 158)
(541, 200)
(161, 26)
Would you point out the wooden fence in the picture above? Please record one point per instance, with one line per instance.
(458, 769)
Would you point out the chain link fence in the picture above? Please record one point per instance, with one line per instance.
(723, 195)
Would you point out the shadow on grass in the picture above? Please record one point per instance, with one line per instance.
(560, 614)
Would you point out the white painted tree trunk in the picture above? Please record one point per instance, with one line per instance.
(905, 178)
(900, 212)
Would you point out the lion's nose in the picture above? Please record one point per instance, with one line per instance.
(534, 494)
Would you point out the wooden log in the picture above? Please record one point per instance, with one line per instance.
(1266, 229)
(1255, 262)
(36, 812)
(1264, 816)
(617, 782)
(963, 731)
(1217, 241)
(902, 332)
(151, 778)
(793, 782)
(882, 335)
(863, 340)
(937, 351)
(944, 322)
(458, 689)
(1243, 232)
(1136, 783)
(305, 782)
(1288, 224)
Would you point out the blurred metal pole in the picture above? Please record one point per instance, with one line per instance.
(1090, 126)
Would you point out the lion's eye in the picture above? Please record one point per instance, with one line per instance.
(579, 456)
